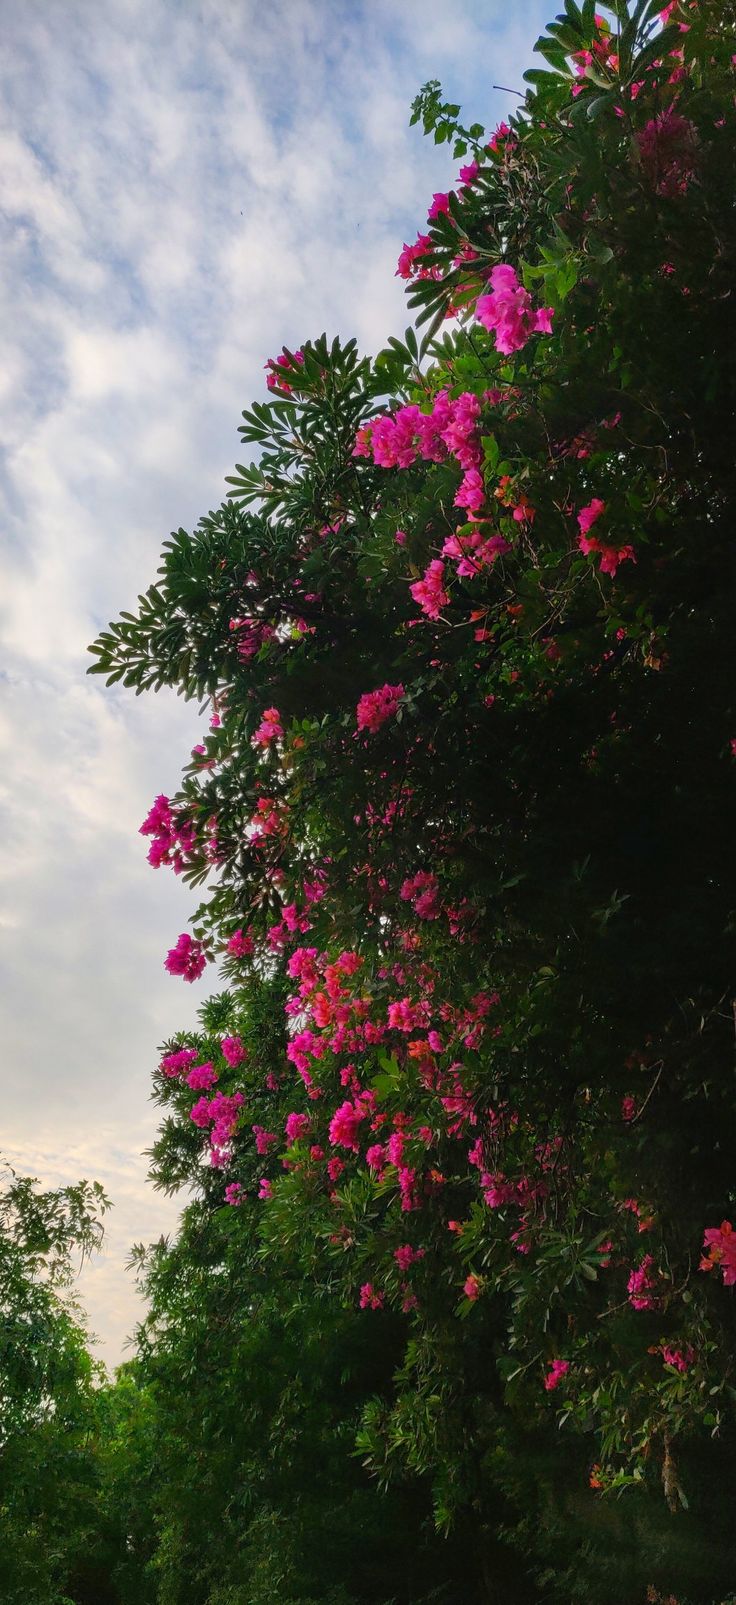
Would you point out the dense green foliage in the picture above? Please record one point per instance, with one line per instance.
(436, 1325)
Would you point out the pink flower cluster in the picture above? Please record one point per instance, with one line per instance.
(405, 1255)
(375, 707)
(202, 1077)
(174, 837)
(474, 551)
(395, 440)
(558, 1369)
(430, 591)
(270, 729)
(640, 1284)
(221, 1114)
(264, 1140)
(411, 257)
(297, 1126)
(422, 891)
(187, 958)
(720, 1242)
(677, 1359)
(345, 1125)
(508, 311)
(241, 944)
(275, 368)
(233, 1051)
(610, 556)
(370, 1299)
(501, 140)
(175, 1064)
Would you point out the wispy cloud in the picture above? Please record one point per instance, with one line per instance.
(182, 188)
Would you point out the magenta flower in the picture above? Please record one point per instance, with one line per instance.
(639, 1285)
(297, 1126)
(232, 1051)
(375, 707)
(589, 515)
(345, 1124)
(270, 728)
(440, 204)
(240, 944)
(469, 174)
(721, 1244)
(557, 1371)
(507, 310)
(370, 1299)
(201, 1077)
(175, 1064)
(187, 958)
(430, 591)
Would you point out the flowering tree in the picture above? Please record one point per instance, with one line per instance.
(463, 633)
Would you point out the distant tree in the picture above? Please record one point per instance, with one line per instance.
(48, 1488)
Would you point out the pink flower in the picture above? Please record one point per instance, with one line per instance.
(589, 515)
(628, 1107)
(297, 1126)
(375, 1156)
(269, 729)
(232, 1051)
(471, 491)
(501, 135)
(557, 1371)
(422, 890)
(430, 591)
(202, 1077)
(721, 1244)
(234, 1193)
(469, 173)
(611, 556)
(344, 1126)
(472, 1287)
(174, 1064)
(187, 958)
(675, 1357)
(440, 204)
(265, 1188)
(411, 256)
(275, 370)
(240, 944)
(507, 310)
(375, 707)
(370, 1299)
(405, 1255)
(640, 1284)
(264, 1139)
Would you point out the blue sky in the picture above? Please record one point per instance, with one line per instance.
(183, 188)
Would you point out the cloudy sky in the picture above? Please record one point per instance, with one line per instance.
(184, 186)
